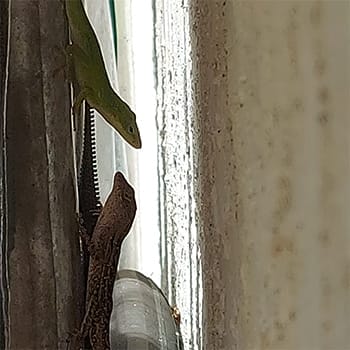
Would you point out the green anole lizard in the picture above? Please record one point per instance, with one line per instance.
(111, 228)
(87, 63)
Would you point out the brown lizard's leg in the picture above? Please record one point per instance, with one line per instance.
(74, 341)
(85, 237)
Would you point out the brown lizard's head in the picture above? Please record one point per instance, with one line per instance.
(127, 196)
(114, 222)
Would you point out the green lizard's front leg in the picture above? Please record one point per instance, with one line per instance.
(83, 95)
(75, 53)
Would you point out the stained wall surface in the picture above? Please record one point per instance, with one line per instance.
(273, 89)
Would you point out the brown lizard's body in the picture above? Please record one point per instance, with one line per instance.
(112, 227)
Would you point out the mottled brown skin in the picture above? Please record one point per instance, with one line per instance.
(112, 227)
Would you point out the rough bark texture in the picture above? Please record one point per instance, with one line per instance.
(3, 205)
(43, 248)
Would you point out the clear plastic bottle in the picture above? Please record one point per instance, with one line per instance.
(142, 317)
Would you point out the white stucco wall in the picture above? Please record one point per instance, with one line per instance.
(273, 89)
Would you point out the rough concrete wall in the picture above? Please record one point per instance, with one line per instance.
(179, 242)
(272, 85)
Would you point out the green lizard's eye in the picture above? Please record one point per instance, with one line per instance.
(131, 129)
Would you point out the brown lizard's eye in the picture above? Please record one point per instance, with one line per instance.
(131, 129)
(127, 196)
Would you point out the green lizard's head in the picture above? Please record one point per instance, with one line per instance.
(124, 121)
(130, 131)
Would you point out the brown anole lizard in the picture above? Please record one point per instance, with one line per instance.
(111, 228)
